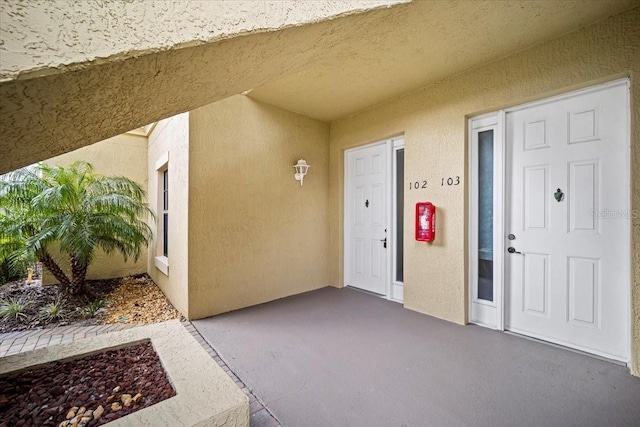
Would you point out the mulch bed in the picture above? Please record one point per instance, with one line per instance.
(39, 296)
(131, 299)
(90, 391)
(138, 300)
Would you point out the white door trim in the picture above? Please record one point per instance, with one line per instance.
(487, 313)
(391, 144)
(396, 289)
(496, 120)
(570, 94)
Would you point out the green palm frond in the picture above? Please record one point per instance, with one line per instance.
(80, 210)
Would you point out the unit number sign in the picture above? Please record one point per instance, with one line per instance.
(444, 182)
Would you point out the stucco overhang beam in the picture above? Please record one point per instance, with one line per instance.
(69, 83)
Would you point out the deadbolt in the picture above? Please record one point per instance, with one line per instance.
(511, 237)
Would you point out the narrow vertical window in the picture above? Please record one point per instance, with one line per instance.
(486, 192)
(485, 215)
(399, 264)
(162, 208)
(165, 212)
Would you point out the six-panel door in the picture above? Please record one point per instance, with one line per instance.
(567, 206)
(365, 219)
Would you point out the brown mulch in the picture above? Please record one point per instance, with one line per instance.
(131, 299)
(139, 300)
(90, 391)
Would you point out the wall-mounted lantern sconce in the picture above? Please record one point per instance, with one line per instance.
(301, 170)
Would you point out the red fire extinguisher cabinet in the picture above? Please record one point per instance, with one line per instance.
(425, 222)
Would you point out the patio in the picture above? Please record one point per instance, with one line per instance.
(338, 357)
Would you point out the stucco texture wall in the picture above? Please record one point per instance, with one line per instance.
(255, 234)
(434, 123)
(95, 32)
(124, 155)
(171, 137)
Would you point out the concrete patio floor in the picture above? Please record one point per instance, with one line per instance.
(339, 357)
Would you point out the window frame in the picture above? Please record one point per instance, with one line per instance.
(161, 259)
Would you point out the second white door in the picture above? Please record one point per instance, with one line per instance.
(567, 216)
(366, 208)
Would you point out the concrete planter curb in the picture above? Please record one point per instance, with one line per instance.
(205, 395)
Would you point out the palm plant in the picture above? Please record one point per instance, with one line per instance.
(77, 209)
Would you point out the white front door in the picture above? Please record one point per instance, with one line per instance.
(567, 214)
(366, 208)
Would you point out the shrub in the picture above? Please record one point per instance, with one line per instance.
(9, 274)
(54, 311)
(92, 308)
(15, 308)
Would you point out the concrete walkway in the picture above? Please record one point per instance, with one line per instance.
(23, 341)
(343, 358)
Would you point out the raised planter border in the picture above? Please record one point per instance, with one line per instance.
(205, 395)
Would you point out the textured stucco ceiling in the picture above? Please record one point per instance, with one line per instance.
(327, 68)
(421, 43)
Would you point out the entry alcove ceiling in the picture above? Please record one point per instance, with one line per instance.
(326, 69)
(418, 44)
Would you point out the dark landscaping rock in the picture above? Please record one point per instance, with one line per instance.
(33, 398)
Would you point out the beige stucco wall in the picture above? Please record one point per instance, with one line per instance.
(171, 136)
(434, 122)
(121, 155)
(255, 234)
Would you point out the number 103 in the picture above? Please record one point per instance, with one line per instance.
(451, 181)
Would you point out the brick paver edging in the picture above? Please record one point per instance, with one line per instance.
(23, 341)
(31, 339)
(260, 416)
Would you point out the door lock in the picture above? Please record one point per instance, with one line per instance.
(384, 242)
(366, 203)
(513, 250)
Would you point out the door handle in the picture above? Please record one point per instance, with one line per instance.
(513, 250)
(384, 242)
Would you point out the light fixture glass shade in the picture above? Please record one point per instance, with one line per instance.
(301, 170)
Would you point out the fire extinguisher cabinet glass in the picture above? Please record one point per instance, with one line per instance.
(425, 222)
